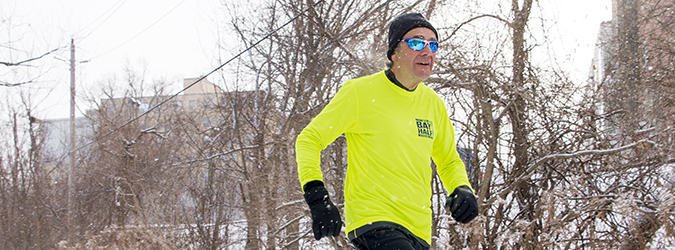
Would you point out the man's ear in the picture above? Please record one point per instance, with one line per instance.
(394, 57)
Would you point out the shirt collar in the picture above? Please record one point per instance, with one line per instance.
(392, 78)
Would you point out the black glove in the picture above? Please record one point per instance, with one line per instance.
(462, 204)
(326, 219)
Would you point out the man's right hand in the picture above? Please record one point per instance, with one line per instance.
(326, 220)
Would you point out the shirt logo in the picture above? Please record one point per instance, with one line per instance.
(425, 128)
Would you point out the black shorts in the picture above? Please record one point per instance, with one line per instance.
(385, 236)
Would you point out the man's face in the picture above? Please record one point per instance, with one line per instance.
(415, 65)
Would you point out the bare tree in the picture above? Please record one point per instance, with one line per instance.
(295, 73)
(557, 175)
(286, 94)
(25, 185)
(20, 58)
(554, 163)
(636, 89)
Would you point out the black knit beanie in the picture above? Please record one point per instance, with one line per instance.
(401, 25)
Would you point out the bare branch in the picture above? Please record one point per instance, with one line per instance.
(531, 170)
(478, 17)
(11, 64)
(7, 84)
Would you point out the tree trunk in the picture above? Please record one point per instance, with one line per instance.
(519, 118)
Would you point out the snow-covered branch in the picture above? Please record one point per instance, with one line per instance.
(531, 170)
(211, 157)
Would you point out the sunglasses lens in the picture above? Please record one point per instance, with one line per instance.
(433, 46)
(416, 44)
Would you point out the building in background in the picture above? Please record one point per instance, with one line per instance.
(632, 68)
(56, 145)
(201, 97)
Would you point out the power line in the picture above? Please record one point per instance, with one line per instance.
(102, 22)
(195, 82)
(139, 33)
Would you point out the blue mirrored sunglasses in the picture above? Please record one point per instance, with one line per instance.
(418, 44)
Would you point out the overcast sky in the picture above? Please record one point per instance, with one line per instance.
(174, 39)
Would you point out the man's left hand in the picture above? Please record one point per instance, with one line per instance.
(462, 204)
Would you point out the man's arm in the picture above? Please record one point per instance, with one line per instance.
(336, 118)
(461, 203)
(449, 165)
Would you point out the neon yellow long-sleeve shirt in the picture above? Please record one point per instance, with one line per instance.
(392, 135)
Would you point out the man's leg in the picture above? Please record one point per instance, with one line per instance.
(386, 239)
(357, 244)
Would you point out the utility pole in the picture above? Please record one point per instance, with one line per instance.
(73, 160)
